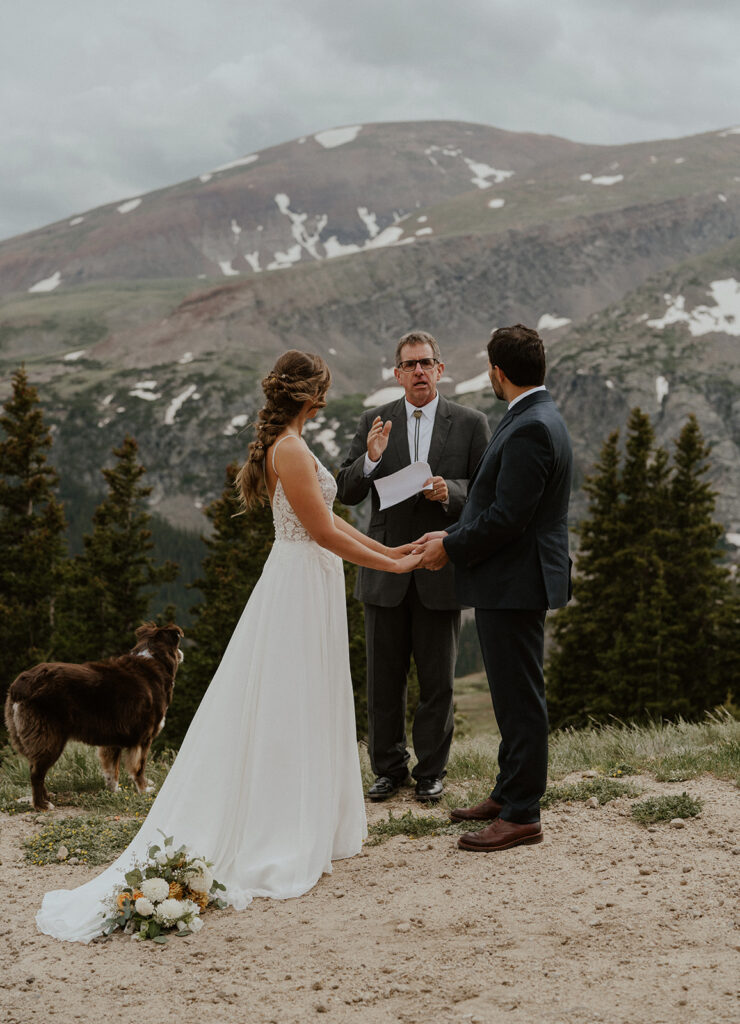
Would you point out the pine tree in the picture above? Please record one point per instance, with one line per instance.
(236, 553)
(707, 634)
(109, 587)
(31, 534)
(652, 626)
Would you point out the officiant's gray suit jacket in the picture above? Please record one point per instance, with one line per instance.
(459, 438)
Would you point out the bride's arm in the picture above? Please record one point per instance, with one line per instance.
(368, 542)
(297, 471)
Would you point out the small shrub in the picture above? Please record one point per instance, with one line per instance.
(665, 808)
(91, 839)
(604, 789)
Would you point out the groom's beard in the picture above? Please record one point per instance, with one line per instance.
(498, 390)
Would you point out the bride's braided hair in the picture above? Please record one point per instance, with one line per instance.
(296, 378)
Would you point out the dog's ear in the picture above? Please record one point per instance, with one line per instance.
(145, 630)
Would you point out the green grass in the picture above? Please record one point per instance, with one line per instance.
(76, 781)
(604, 789)
(665, 808)
(670, 751)
(411, 825)
(92, 839)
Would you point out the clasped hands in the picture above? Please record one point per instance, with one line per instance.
(430, 548)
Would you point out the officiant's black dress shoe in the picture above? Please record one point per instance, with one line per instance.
(385, 786)
(429, 790)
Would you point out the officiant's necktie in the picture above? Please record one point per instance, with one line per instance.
(417, 426)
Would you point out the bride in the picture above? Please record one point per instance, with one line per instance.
(267, 781)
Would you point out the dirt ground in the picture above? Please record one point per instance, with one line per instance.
(603, 922)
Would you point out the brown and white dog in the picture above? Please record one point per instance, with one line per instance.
(118, 705)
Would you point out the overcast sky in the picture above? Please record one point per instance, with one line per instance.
(102, 101)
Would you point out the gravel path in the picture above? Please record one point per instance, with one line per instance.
(603, 922)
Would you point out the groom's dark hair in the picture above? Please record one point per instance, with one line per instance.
(519, 352)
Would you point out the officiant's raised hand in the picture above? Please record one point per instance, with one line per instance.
(377, 438)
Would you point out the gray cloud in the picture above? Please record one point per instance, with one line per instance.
(103, 103)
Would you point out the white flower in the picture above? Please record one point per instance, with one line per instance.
(196, 924)
(161, 857)
(199, 877)
(155, 889)
(169, 911)
(190, 907)
(182, 925)
(144, 906)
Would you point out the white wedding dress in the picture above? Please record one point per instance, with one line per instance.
(267, 781)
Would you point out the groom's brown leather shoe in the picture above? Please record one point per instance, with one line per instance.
(489, 810)
(501, 835)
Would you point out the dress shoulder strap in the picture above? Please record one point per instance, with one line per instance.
(280, 441)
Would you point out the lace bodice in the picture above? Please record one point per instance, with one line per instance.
(287, 524)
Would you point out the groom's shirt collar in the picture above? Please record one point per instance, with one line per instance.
(524, 394)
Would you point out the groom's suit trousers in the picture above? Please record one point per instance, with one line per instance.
(512, 642)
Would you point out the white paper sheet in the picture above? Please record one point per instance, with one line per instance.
(403, 484)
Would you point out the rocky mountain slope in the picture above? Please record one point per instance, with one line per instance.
(160, 317)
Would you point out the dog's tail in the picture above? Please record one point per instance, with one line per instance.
(13, 713)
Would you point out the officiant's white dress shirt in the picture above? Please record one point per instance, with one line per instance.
(426, 426)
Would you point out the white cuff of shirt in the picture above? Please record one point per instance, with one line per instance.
(369, 467)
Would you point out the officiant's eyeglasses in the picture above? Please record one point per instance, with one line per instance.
(407, 365)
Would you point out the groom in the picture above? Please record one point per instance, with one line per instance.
(510, 552)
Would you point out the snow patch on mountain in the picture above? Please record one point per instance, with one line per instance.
(145, 389)
(75, 221)
(48, 284)
(243, 161)
(730, 131)
(369, 220)
(479, 383)
(236, 424)
(226, 268)
(334, 137)
(482, 172)
(608, 179)
(283, 260)
(129, 205)
(176, 404)
(253, 259)
(723, 316)
(333, 248)
(496, 204)
(306, 236)
(186, 357)
(547, 322)
(662, 388)
(72, 357)
(382, 396)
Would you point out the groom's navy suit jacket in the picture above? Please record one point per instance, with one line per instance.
(510, 545)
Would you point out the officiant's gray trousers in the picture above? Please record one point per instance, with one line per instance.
(392, 635)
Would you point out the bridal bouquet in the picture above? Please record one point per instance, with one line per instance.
(168, 892)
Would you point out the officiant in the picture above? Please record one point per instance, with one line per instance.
(416, 613)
